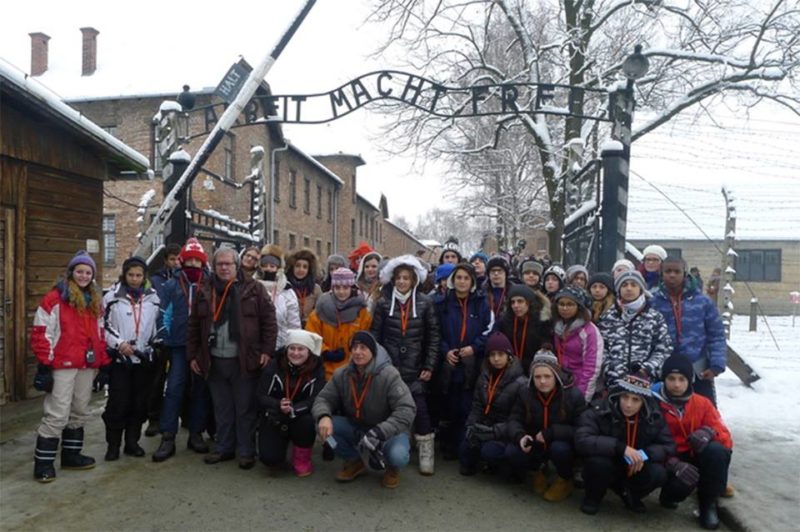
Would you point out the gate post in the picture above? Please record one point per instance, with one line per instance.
(176, 230)
(614, 209)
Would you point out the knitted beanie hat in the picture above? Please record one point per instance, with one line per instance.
(631, 384)
(546, 358)
(578, 295)
(623, 263)
(82, 257)
(572, 271)
(130, 262)
(481, 256)
(631, 275)
(343, 277)
(656, 250)
(337, 260)
(604, 279)
(308, 339)
(558, 271)
(498, 342)
(523, 291)
(678, 364)
(498, 262)
(193, 250)
(365, 338)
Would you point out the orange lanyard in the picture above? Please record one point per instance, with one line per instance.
(358, 400)
(464, 313)
(677, 311)
(518, 350)
(137, 317)
(403, 318)
(302, 295)
(496, 310)
(218, 309)
(630, 431)
(290, 395)
(546, 404)
(492, 389)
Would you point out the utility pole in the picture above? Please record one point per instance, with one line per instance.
(728, 263)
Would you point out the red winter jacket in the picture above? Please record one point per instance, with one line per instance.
(61, 336)
(697, 412)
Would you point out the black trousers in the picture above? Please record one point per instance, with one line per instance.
(274, 438)
(601, 473)
(128, 391)
(713, 464)
(156, 395)
(234, 398)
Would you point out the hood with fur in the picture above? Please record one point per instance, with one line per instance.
(387, 272)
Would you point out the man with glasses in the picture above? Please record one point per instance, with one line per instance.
(231, 337)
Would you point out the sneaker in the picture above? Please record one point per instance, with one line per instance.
(351, 470)
(391, 478)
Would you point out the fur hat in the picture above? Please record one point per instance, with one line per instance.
(631, 384)
(656, 250)
(82, 257)
(498, 342)
(530, 265)
(632, 275)
(578, 295)
(311, 258)
(308, 339)
(342, 277)
(272, 254)
(603, 278)
(193, 250)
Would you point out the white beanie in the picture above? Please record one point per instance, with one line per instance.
(308, 339)
(653, 249)
(623, 262)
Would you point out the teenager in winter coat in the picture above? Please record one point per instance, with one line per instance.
(577, 341)
(466, 321)
(553, 280)
(132, 321)
(650, 267)
(67, 339)
(368, 410)
(694, 325)
(531, 271)
(286, 391)
(636, 337)
(526, 323)
(542, 426)
(367, 281)
(339, 313)
(334, 262)
(625, 442)
(443, 272)
(404, 322)
(497, 285)
(703, 442)
(578, 275)
(495, 392)
(271, 275)
(179, 295)
(601, 288)
(301, 271)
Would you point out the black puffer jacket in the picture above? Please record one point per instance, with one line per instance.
(273, 384)
(531, 338)
(527, 416)
(502, 402)
(602, 431)
(418, 349)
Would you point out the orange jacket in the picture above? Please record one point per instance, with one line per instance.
(338, 337)
(697, 412)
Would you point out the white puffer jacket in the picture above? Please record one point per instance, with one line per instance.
(287, 308)
(123, 315)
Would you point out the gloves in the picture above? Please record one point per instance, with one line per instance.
(700, 438)
(372, 440)
(101, 379)
(371, 449)
(336, 355)
(43, 381)
(683, 471)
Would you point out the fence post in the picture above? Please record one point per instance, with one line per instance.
(754, 314)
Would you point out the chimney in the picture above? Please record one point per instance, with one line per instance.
(89, 51)
(38, 53)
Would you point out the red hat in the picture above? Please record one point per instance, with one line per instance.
(355, 256)
(193, 250)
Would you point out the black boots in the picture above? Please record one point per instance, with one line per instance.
(71, 445)
(114, 440)
(43, 457)
(197, 443)
(132, 434)
(166, 449)
(709, 518)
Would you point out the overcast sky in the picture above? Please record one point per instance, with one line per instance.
(150, 46)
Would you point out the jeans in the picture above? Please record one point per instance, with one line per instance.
(396, 450)
(177, 378)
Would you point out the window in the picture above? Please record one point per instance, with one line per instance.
(276, 237)
(353, 232)
(292, 241)
(293, 189)
(674, 252)
(319, 201)
(277, 192)
(330, 249)
(319, 247)
(228, 171)
(306, 242)
(330, 205)
(355, 195)
(306, 195)
(758, 265)
(360, 224)
(111, 130)
(109, 238)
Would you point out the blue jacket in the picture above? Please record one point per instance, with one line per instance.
(175, 305)
(702, 337)
(480, 321)
(160, 279)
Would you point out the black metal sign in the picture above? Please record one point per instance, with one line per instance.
(233, 81)
(485, 99)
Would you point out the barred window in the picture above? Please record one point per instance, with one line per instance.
(109, 238)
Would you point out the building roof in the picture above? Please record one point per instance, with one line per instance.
(34, 92)
(359, 160)
(316, 163)
(369, 203)
(409, 234)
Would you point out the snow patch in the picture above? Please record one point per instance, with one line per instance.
(611, 145)
(583, 209)
(180, 156)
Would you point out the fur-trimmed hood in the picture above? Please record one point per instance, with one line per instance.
(306, 255)
(387, 272)
(368, 256)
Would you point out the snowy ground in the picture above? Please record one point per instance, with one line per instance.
(765, 422)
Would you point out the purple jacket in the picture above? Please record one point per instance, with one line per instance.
(580, 351)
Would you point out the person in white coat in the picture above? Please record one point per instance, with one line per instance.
(287, 308)
(132, 320)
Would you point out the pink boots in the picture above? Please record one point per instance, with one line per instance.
(301, 461)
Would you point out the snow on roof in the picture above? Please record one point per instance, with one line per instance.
(431, 243)
(315, 162)
(368, 202)
(54, 103)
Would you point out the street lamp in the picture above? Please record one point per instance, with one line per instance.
(635, 65)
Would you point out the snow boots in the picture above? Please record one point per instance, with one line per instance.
(301, 461)
(71, 445)
(114, 440)
(197, 443)
(709, 518)
(132, 434)
(43, 457)
(560, 490)
(426, 453)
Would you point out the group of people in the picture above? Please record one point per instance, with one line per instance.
(608, 376)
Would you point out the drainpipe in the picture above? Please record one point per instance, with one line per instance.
(335, 219)
(272, 177)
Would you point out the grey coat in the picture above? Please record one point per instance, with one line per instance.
(388, 404)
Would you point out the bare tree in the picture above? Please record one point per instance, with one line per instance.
(699, 51)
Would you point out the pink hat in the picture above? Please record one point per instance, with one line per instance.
(343, 277)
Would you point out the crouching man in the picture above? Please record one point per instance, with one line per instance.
(374, 413)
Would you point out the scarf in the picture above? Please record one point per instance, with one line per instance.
(563, 329)
(334, 312)
(631, 309)
(193, 274)
(402, 298)
(230, 308)
(303, 286)
(134, 293)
